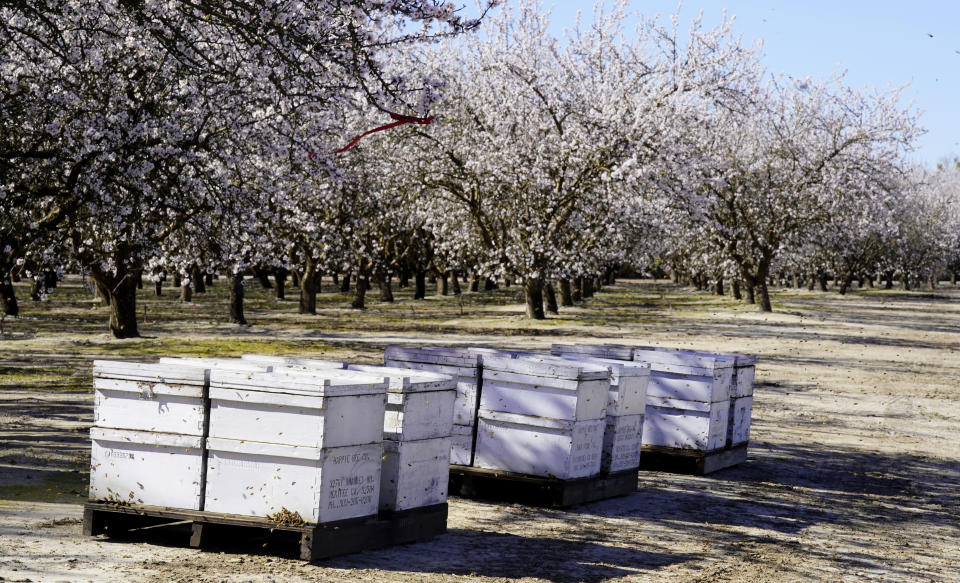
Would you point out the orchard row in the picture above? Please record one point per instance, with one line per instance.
(163, 140)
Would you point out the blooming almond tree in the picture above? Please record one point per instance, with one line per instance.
(118, 116)
(539, 139)
(795, 157)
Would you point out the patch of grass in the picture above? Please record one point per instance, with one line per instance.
(63, 487)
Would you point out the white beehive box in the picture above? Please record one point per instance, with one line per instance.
(690, 384)
(538, 446)
(320, 484)
(146, 467)
(744, 372)
(628, 384)
(459, 364)
(414, 473)
(544, 387)
(697, 425)
(622, 442)
(419, 403)
(626, 405)
(461, 444)
(149, 397)
(738, 431)
(318, 409)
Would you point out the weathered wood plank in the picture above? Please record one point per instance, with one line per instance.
(685, 461)
(316, 541)
(472, 482)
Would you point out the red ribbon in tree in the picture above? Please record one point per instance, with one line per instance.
(399, 120)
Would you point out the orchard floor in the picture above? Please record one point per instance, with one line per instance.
(853, 472)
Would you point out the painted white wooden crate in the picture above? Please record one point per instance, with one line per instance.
(738, 429)
(144, 467)
(537, 446)
(302, 408)
(414, 473)
(461, 444)
(149, 397)
(420, 404)
(544, 387)
(622, 442)
(457, 363)
(320, 484)
(698, 425)
(744, 372)
(626, 405)
(628, 384)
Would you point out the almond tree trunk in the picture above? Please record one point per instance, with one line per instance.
(10, 306)
(236, 299)
(198, 285)
(280, 279)
(360, 292)
(533, 292)
(455, 283)
(121, 291)
(308, 287)
(386, 290)
(186, 292)
(420, 285)
(566, 296)
(551, 298)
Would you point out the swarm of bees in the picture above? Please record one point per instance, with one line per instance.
(286, 518)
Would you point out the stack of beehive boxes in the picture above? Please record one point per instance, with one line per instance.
(740, 392)
(626, 407)
(147, 437)
(692, 398)
(541, 416)
(741, 399)
(298, 442)
(251, 441)
(416, 430)
(464, 368)
(688, 399)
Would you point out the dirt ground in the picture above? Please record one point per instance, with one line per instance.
(853, 472)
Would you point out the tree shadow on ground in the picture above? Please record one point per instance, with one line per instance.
(509, 556)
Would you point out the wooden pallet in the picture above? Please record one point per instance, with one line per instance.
(688, 461)
(317, 541)
(469, 482)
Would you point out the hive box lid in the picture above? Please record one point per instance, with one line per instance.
(288, 361)
(181, 374)
(405, 380)
(211, 363)
(547, 366)
(247, 447)
(679, 357)
(611, 351)
(145, 437)
(534, 421)
(432, 355)
(326, 383)
(617, 368)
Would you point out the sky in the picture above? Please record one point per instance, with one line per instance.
(880, 44)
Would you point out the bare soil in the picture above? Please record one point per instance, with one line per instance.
(853, 472)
